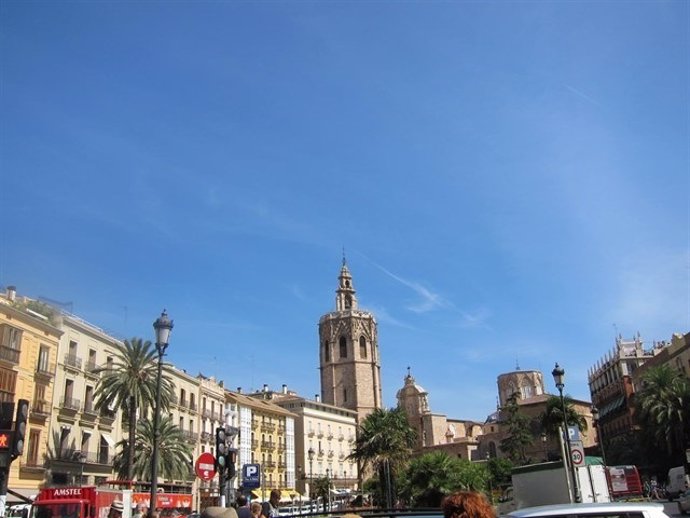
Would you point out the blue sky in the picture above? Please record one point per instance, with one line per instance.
(509, 180)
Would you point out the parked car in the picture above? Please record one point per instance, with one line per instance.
(684, 502)
(603, 510)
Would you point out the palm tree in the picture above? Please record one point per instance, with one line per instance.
(664, 406)
(384, 443)
(129, 383)
(174, 457)
(552, 417)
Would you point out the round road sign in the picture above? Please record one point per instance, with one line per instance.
(205, 466)
(577, 457)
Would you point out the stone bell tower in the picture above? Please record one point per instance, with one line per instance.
(349, 353)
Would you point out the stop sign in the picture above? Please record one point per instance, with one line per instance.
(205, 466)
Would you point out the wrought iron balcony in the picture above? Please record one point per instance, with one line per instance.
(72, 360)
(9, 354)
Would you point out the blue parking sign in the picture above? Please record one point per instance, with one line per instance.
(251, 476)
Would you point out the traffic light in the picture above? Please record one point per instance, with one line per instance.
(221, 449)
(230, 461)
(19, 436)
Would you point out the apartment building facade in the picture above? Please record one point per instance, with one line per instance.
(29, 340)
(611, 385)
(324, 439)
(266, 436)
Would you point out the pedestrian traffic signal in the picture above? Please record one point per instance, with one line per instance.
(5, 439)
(221, 449)
(19, 436)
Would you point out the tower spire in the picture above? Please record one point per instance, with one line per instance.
(345, 298)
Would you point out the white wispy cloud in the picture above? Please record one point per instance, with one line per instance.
(581, 95)
(473, 320)
(384, 317)
(429, 300)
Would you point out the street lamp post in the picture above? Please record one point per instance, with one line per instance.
(558, 374)
(544, 438)
(310, 456)
(163, 325)
(597, 424)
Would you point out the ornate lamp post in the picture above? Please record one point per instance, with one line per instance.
(558, 374)
(163, 325)
(597, 424)
(310, 456)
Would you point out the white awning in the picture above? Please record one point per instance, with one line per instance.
(108, 439)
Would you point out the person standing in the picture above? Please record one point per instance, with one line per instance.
(270, 509)
(243, 510)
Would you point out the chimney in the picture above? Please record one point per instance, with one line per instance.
(317, 398)
(284, 388)
(11, 293)
(265, 387)
(239, 390)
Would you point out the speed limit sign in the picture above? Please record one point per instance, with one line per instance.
(577, 453)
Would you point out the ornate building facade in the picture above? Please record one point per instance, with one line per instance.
(349, 358)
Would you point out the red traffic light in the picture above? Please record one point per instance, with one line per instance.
(5, 439)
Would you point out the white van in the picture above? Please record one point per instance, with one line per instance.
(678, 482)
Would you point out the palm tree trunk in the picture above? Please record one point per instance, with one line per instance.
(132, 437)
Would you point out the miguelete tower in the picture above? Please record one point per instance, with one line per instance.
(349, 353)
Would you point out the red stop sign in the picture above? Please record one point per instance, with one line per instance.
(205, 466)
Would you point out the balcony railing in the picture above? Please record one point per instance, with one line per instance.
(72, 360)
(205, 413)
(281, 429)
(267, 445)
(206, 436)
(217, 416)
(270, 464)
(192, 406)
(9, 354)
(90, 367)
(70, 403)
(268, 427)
(190, 436)
(85, 457)
(45, 369)
(40, 408)
(89, 408)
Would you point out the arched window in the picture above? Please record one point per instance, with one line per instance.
(362, 347)
(326, 352)
(348, 302)
(343, 347)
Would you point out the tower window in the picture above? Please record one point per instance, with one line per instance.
(348, 302)
(343, 347)
(344, 394)
(326, 352)
(362, 347)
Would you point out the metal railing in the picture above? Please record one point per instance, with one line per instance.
(70, 403)
(9, 354)
(72, 360)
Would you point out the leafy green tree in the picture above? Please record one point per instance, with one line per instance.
(552, 417)
(427, 479)
(322, 486)
(663, 403)
(129, 383)
(384, 444)
(519, 433)
(500, 470)
(174, 452)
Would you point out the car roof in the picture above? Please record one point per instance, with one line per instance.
(559, 509)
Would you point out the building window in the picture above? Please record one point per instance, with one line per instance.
(43, 359)
(8, 382)
(344, 395)
(326, 352)
(362, 347)
(10, 337)
(343, 347)
(34, 442)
